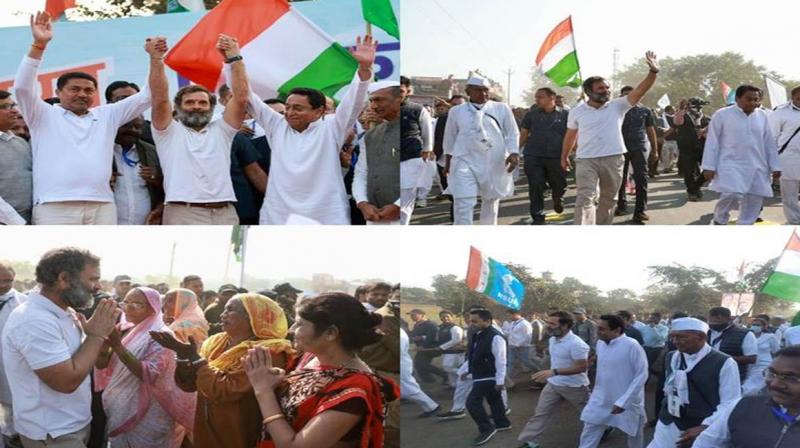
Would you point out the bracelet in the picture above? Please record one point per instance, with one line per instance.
(233, 59)
(272, 418)
(555, 372)
(654, 71)
(39, 46)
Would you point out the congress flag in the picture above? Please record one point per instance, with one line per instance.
(185, 5)
(56, 8)
(494, 279)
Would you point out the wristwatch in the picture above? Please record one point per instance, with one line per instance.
(233, 59)
(555, 372)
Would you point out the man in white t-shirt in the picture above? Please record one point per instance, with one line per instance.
(566, 379)
(194, 149)
(71, 141)
(596, 125)
(49, 350)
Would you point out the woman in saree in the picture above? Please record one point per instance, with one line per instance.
(143, 405)
(331, 399)
(183, 315)
(227, 411)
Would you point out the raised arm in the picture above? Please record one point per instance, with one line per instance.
(237, 107)
(156, 47)
(354, 100)
(30, 105)
(636, 95)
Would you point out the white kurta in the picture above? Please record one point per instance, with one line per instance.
(783, 122)
(413, 171)
(479, 156)
(621, 374)
(305, 178)
(742, 151)
(767, 345)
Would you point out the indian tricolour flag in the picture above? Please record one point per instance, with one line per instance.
(185, 5)
(558, 58)
(492, 278)
(281, 48)
(728, 94)
(784, 282)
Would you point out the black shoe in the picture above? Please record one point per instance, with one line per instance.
(538, 221)
(621, 210)
(430, 413)
(483, 437)
(558, 205)
(452, 415)
(759, 219)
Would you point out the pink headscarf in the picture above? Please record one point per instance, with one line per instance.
(161, 386)
(188, 317)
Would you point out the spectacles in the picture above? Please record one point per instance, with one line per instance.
(133, 304)
(8, 106)
(770, 375)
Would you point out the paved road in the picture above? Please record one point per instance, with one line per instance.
(667, 205)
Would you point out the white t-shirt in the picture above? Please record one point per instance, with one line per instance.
(792, 336)
(130, 192)
(39, 334)
(564, 352)
(599, 130)
(196, 165)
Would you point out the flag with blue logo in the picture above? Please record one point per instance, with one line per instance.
(492, 278)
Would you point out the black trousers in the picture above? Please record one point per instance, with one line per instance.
(486, 390)
(541, 171)
(639, 162)
(424, 369)
(689, 160)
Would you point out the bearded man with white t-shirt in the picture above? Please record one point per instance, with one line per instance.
(596, 126)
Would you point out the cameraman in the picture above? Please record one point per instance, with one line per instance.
(691, 125)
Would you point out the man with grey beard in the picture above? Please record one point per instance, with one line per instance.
(49, 350)
(194, 150)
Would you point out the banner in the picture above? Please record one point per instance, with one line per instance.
(118, 44)
(492, 278)
(738, 303)
(776, 91)
(664, 101)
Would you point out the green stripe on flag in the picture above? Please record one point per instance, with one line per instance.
(491, 277)
(381, 14)
(329, 72)
(566, 72)
(175, 6)
(782, 286)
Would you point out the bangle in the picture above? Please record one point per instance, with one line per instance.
(233, 59)
(39, 46)
(272, 418)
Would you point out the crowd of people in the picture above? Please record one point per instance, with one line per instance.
(613, 145)
(720, 380)
(140, 367)
(301, 159)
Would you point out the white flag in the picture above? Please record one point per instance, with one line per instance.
(776, 91)
(664, 101)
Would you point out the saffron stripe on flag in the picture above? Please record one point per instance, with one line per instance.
(474, 268)
(794, 243)
(559, 33)
(784, 286)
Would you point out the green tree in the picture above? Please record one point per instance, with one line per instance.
(691, 289)
(418, 295)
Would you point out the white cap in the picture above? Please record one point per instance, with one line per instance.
(478, 81)
(380, 85)
(689, 324)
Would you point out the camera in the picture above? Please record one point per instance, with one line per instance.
(697, 103)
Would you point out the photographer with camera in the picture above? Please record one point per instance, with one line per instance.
(691, 123)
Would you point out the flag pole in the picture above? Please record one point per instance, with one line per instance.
(244, 230)
(172, 263)
(577, 60)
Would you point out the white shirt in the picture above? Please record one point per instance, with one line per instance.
(39, 334)
(783, 122)
(621, 374)
(11, 299)
(456, 336)
(360, 174)
(305, 178)
(499, 352)
(564, 353)
(9, 216)
(749, 343)
(130, 192)
(519, 333)
(741, 150)
(196, 164)
(792, 336)
(412, 171)
(599, 129)
(71, 154)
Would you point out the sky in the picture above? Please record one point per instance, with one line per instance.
(442, 37)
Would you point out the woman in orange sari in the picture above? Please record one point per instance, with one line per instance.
(183, 315)
(331, 399)
(227, 412)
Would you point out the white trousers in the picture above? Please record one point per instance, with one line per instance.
(450, 364)
(749, 206)
(591, 435)
(790, 189)
(407, 198)
(463, 209)
(665, 436)
(409, 389)
(669, 156)
(463, 388)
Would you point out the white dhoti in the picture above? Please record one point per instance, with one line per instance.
(591, 435)
(450, 364)
(749, 206)
(669, 156)
(790, 191)
(410, 390)
(469, 179)
(463, 388)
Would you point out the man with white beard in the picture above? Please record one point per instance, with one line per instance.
(481, 148)
(618, 396)
(700, 383)
(10, 298)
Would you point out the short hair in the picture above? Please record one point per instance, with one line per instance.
(795, 90)
(315, 97)
(792, 351)
(656, 314)
(119, 85)
(7, 266)
(4, 94)
(363, 289)
(625, 89)
(445, 312)
(405, 81)
(744, 88)
(66, 77)
(513, 311)
(274, 101)
(357, 327)
(380, 286)
(194, 88)
(457, 96)
(483, 314)
(625, 314)
(679, 315)
(66, 259)
(547, 90)
(223, 90)
(53, 100)
(614, 322)
(190, 278)
(564, 318)
(764, 317)
(719, 311)
(590, 81)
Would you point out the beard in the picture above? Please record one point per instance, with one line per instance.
(194, 119)
(599, 97)
(77, 296)
(555, 332)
